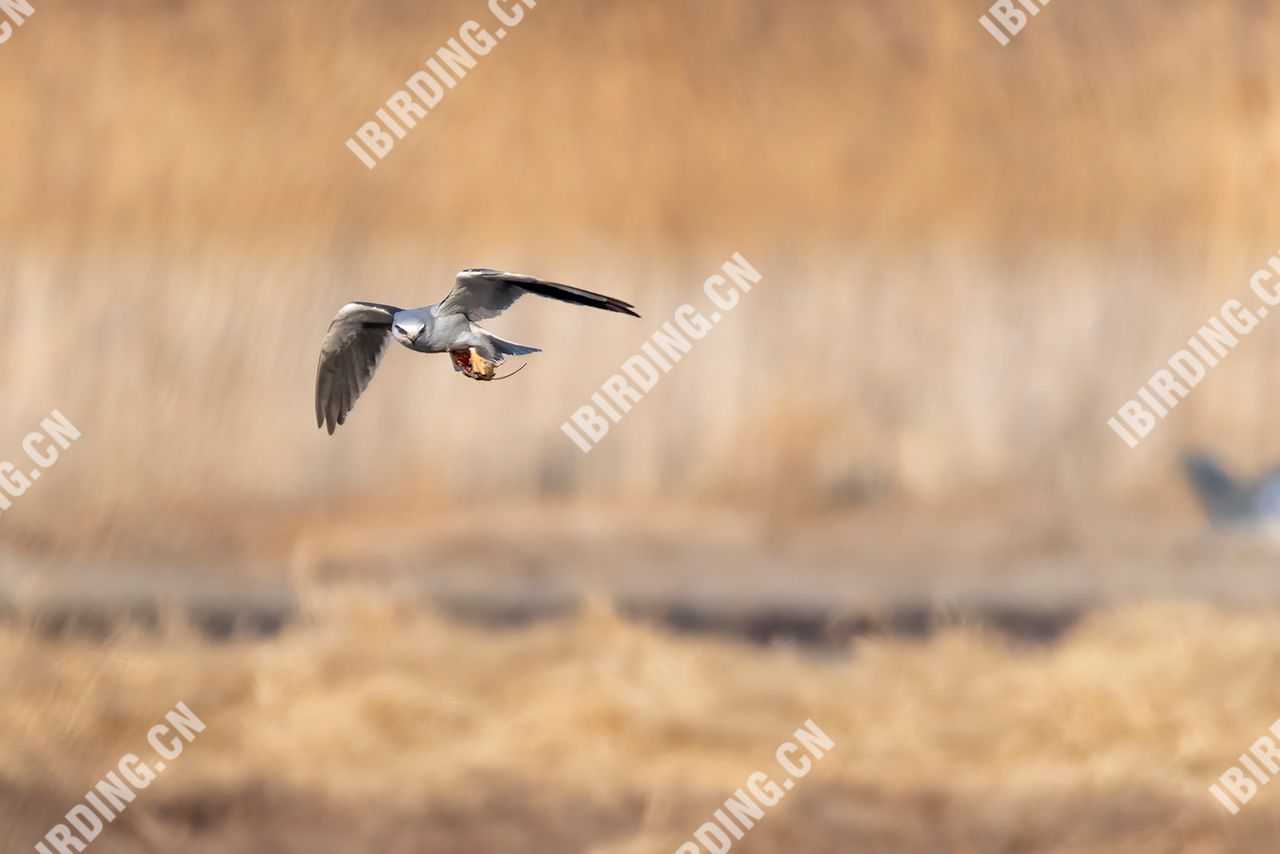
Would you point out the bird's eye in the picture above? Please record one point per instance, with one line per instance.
(400, 330)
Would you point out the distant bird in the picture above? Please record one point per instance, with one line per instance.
(359, 335)
(1240, 507)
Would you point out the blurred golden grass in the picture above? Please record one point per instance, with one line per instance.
(972, 255)
(375, 726)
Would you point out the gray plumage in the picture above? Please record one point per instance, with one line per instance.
(360, 333)
(1230, 503)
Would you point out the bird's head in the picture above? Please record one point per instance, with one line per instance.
(407, 329)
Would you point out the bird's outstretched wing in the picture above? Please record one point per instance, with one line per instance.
(481, 294)
(350, 353)
(1223, 498)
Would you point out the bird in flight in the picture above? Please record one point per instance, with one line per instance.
(359, 335)
(1236, 506)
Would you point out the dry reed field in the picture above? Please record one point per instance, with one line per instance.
(983, 252)
(376, 727)
(971, 255)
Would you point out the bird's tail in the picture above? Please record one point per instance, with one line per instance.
(510, 348)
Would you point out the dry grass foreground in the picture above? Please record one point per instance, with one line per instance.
(377, 727)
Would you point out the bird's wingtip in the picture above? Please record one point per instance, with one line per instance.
(623, 307)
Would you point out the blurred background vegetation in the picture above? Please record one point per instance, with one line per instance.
(975, 255)
(972, 255)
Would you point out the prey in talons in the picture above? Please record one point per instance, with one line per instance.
(473, 364)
